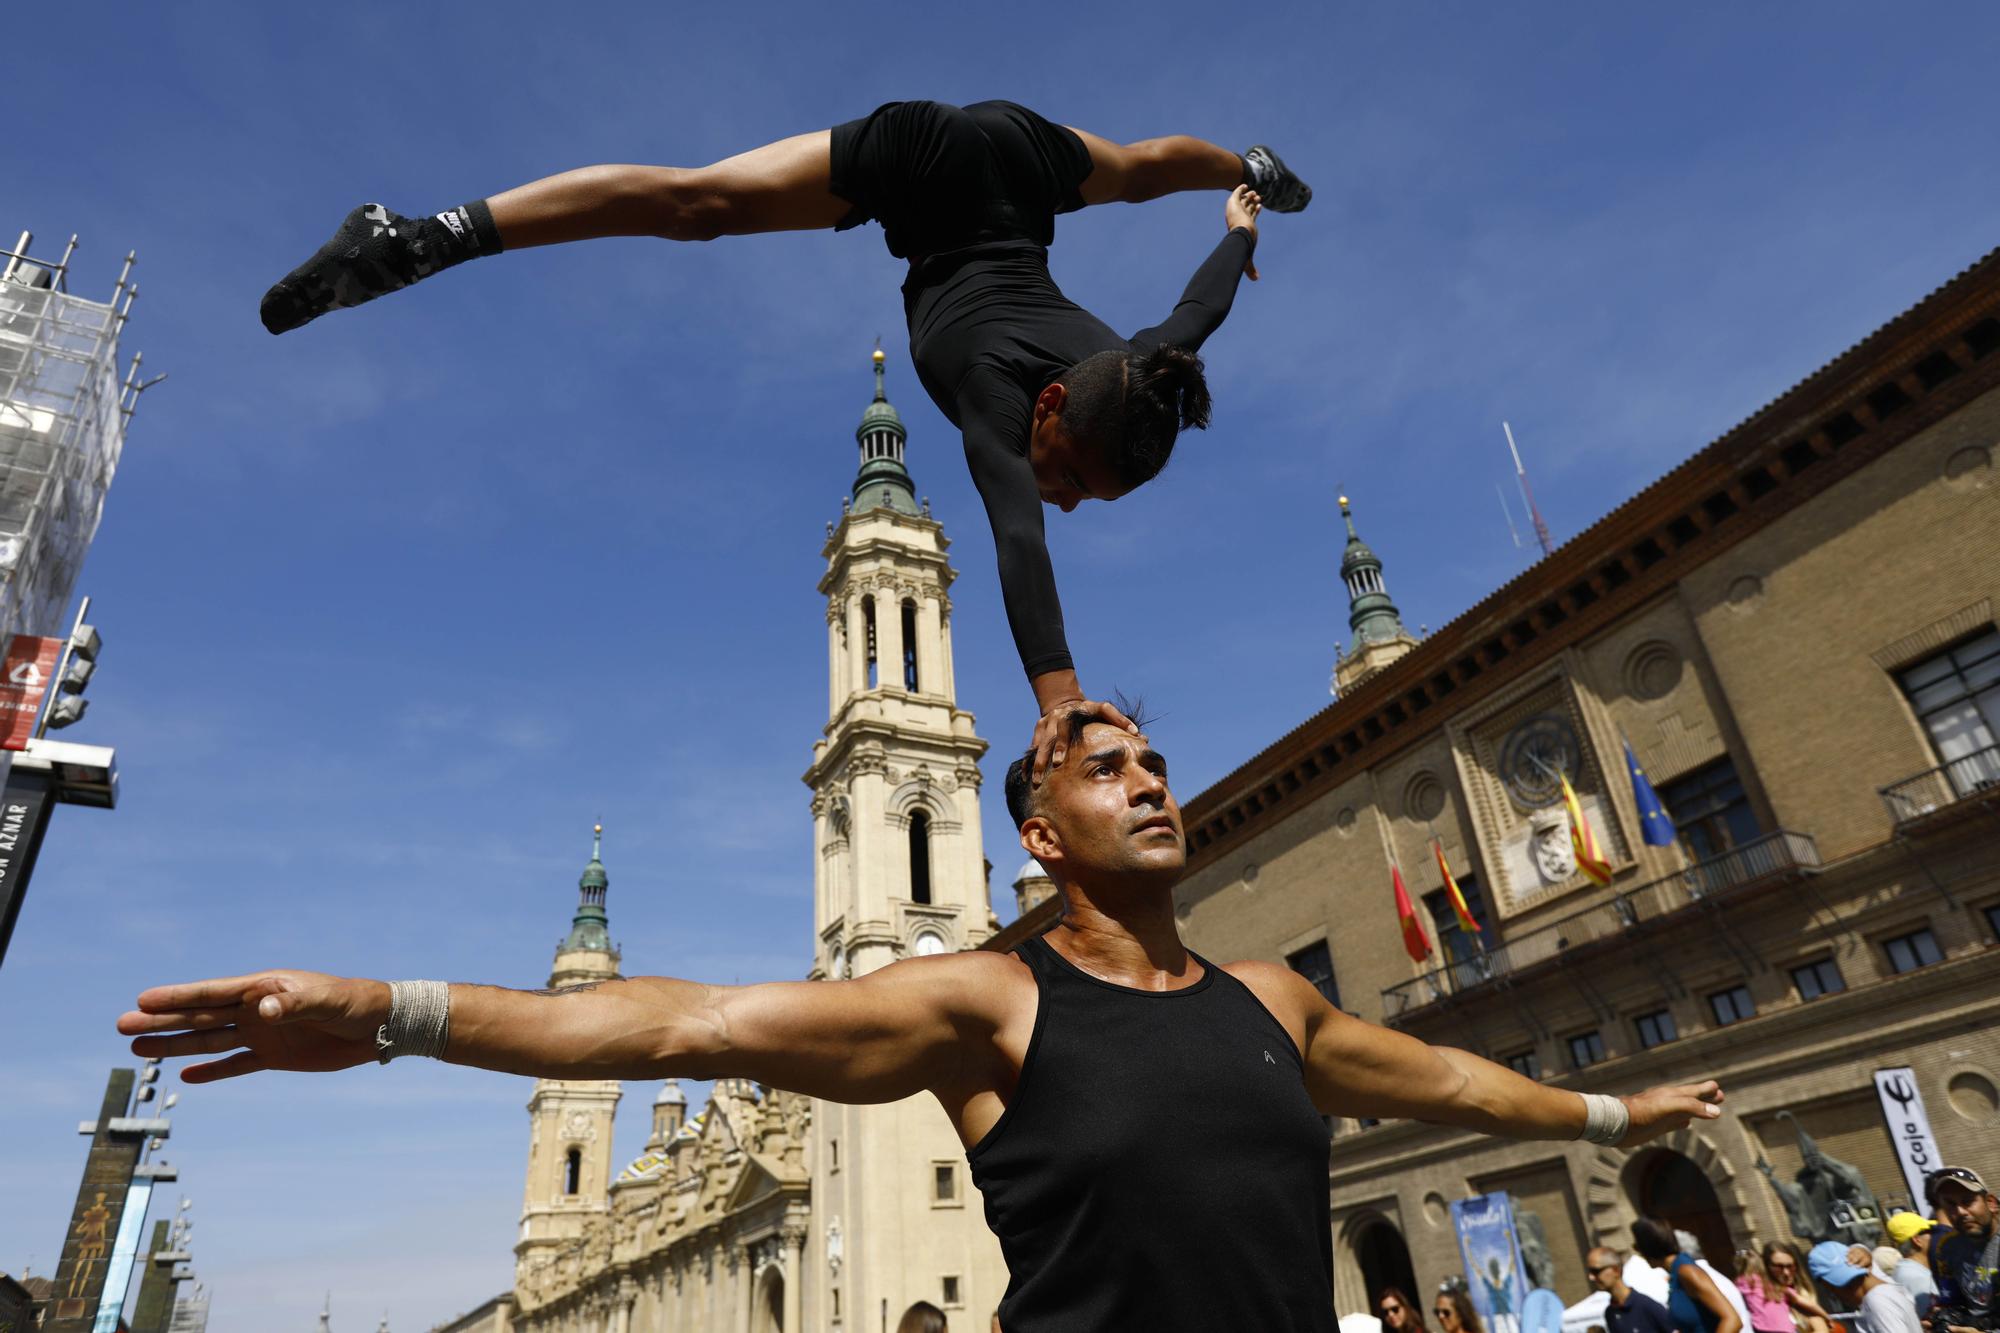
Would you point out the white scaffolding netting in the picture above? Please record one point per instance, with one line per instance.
(61, 430)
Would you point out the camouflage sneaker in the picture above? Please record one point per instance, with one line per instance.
(375, 252)
(1270, 177)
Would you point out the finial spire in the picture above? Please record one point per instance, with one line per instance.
(883, 482)
(597, 842)
(881, 389)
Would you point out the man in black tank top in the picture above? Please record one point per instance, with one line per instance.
(1121, 1202)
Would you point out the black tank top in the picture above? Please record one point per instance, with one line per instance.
(1160, 1167)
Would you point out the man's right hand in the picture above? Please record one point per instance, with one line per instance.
(304, 1021)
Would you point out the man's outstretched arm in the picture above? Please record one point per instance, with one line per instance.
(1212, 290)
(888, 1035)
(1358, 1069)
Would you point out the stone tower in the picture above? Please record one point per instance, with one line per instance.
(898, 870)
(1379, 636)
(569, 1120)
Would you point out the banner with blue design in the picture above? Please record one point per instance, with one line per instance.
(1656, 826)
(1491, 1251)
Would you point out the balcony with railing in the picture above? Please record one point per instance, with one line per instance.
(1935, 789)
(1626, 915)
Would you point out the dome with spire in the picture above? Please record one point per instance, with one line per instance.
(883, 482)
(1031, 871)
(671, 1094)
(1371, 615)
(589, 929)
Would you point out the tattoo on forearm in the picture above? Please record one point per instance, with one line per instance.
(568, 990)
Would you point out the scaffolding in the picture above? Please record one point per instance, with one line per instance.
(63, 411)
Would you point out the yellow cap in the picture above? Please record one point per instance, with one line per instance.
(1902, 1226)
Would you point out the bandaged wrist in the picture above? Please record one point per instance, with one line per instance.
(419, 1020)
(1605, 1119)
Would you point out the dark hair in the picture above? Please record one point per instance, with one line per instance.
(1398, 1295)
(1129, 406)
(1654, 1240)
(1461, 1301)
(1021, 794)
(923, 1317)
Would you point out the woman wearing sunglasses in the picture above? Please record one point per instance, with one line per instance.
(1454, 1312)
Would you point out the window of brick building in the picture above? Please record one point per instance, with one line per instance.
(952, 1298)
(1817, 978)
(1732, 1005)
(1993, 920)
(1956, 695)
(1909, 952)
(944, 1182)
(1656, 1028)
(1528, 1063)
(1457, 946)
(1586, 1049)
(1710, 812)
(1315, 964)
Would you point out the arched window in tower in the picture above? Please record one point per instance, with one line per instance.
(920, 857)
(910, 646)
(868, 621)
(573, 1171)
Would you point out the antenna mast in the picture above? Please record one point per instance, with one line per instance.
(1527, 494)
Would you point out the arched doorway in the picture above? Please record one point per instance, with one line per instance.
(1384, 1261)
(768, 1314)
(1668, 1186)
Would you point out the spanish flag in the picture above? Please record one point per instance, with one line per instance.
(1589, 858)
(1414, 940)
(1451, 889)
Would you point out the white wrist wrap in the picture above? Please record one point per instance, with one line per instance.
(1605, 1119)
(419, 1020)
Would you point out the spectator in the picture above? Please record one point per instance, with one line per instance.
(1691, 1247)
(1764, 1298)
(1454, 1313)
(1965, 1263)
(1787, 1268)
(923, 1317)
(1912, 1234)
(1398, 1314)
(1881, 1305)
(1694, 1302)
(1629, 1311)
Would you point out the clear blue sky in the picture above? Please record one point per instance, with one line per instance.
(396, 606)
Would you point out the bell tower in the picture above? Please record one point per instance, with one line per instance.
(569, 1120)
(899, 870)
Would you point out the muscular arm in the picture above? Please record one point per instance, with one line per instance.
(1711, 1299)
(1210, 293)
(888, 1035)
(1358, 1069)
(994, 415)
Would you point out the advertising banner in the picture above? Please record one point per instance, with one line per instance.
(1491, 1251)
(1909, 1128)
(24, 681)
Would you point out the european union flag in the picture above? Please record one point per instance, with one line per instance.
(1655, 825)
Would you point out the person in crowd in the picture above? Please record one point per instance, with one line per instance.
(1691, 1247)
(1912, 1234)
(1399, 1313)
(1454, 1311)
(1787, 1270)
(1966, 1263)
(1693, 1299)
(1880, 1305)
(1629, 1311)
(1762, 1297)
(923, 1317)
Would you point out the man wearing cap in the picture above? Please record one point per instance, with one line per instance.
(1880, 1305)
(1911, 1234)
(1964, 1261)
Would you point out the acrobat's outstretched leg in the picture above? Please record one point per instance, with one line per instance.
(1135, 172)
(783, 186)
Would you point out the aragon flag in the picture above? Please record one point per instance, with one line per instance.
(1415, 941)
(1451, 890)
(1589, 858)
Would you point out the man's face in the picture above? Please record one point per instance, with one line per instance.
(1107, 814)
(1603, 1266)
(1966, 1211)
(1067, 472)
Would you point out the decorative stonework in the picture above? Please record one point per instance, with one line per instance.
(1653, 670)
(1608, 1195)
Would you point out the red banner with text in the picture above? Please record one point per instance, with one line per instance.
(24, 681)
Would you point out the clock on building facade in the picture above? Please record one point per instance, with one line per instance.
(1534, 757)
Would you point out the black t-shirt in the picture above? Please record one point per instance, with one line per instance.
(1964, 1267)
(1640, 1314)
(989, 330)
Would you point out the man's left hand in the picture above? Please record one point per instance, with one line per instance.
(1660, 1111)
(1052, 732)
(1241, 211)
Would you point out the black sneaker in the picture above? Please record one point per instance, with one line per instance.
(1270, 177)
(375, 252)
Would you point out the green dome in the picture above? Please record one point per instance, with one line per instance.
(883, 482)
(588, 929)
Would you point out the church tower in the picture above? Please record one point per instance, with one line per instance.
(1379, 636)
(569, 1120)
(898, 870)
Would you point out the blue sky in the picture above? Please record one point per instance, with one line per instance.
(396, 606)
